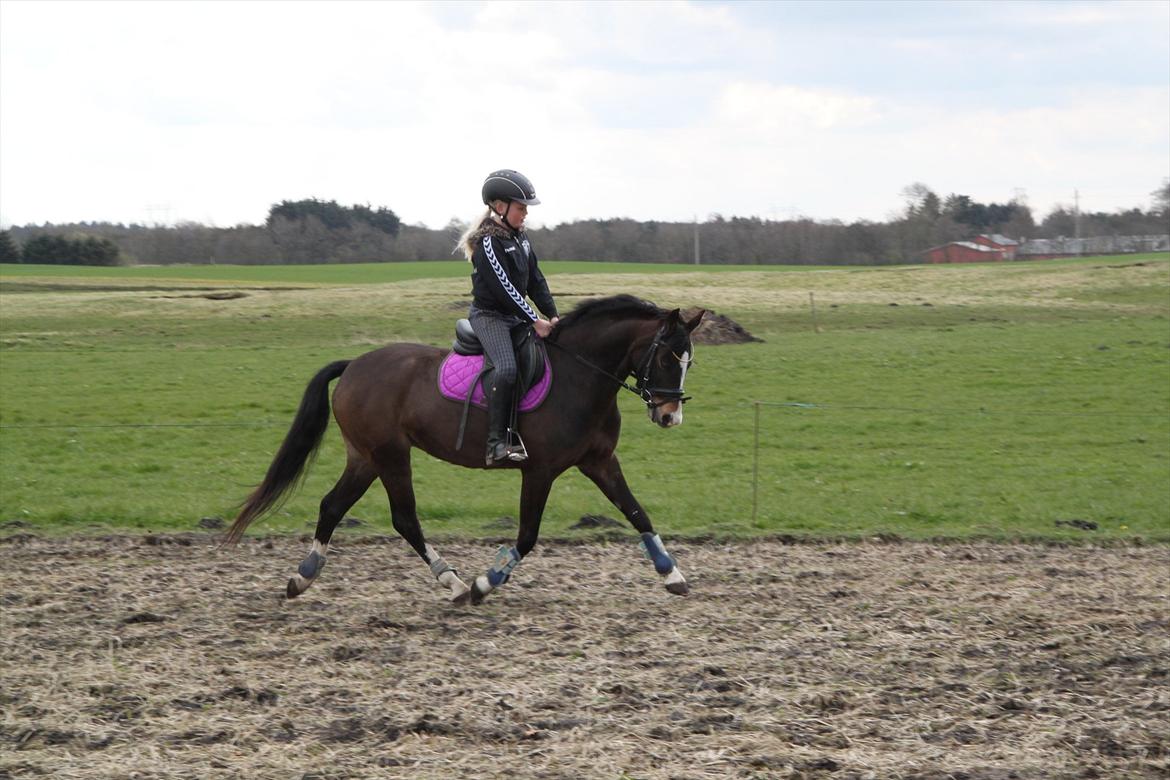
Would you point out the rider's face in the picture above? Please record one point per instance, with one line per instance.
(513, 213)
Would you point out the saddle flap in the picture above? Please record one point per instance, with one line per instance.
(529, 356)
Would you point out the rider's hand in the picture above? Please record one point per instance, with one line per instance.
(543, 327)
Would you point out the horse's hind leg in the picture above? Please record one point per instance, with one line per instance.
(606, 473)
(352, 485)
(395, 473)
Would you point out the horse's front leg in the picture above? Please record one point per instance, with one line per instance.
(533, 496)
(606, 473)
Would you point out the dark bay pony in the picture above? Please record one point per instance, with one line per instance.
(387, 401)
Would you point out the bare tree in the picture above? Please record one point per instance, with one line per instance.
(1162, 198)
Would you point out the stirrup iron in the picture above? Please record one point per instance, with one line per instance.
(516, 451)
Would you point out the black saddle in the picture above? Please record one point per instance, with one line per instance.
(529, 352)
(530, 362)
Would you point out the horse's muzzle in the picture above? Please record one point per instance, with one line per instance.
(667, 414)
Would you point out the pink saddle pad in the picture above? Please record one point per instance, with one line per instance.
(458, 372)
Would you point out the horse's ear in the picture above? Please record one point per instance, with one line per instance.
(694, 323)
(671, 322)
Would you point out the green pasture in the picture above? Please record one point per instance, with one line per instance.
(67, 277)
(1007, 401)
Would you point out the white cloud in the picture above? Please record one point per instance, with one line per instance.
(646, 110)
(786, 109)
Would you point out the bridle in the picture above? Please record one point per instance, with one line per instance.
(641, 387)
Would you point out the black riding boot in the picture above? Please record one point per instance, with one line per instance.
(499, 445)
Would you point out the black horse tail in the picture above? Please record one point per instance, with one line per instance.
(300, 444)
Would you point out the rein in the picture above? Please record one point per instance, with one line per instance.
(640, 388)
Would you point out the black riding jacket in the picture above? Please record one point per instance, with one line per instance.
(504, 271)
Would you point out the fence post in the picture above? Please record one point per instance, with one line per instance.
(756, 465)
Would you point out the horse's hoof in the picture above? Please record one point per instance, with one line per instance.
(678, 588)
(479, 590)
(292, 591)
(470, 596)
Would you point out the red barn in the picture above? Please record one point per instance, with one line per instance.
(996, 241)
(964, 252)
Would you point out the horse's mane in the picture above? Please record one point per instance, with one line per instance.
(615, 307)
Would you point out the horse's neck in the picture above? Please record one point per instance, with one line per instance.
(611, 346)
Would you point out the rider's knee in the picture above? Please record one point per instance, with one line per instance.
(506, 374)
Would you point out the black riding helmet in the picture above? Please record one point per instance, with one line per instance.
(508, 185)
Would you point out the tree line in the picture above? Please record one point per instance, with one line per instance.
(56, 249)
(319, 231)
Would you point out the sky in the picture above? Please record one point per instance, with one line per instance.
(211, 112)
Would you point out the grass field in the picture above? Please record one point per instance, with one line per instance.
(1028, 400)
(352, 273)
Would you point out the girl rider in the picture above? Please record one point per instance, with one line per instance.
(504, 271)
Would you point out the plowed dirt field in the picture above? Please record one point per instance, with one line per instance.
(153, 657)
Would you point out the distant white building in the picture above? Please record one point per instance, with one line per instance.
(1037, 248)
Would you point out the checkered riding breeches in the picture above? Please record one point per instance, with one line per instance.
(495, 333)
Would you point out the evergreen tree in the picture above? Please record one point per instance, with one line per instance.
(59, 250)
(46, 250)
(9, 250)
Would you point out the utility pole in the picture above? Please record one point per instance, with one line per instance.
(1076, 214)
(696, 240)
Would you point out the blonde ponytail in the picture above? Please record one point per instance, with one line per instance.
(466, 243)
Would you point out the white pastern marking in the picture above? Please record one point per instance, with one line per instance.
(674, 577)
(320, 549)
(448, 578)
(483, 585)
(456, 585)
